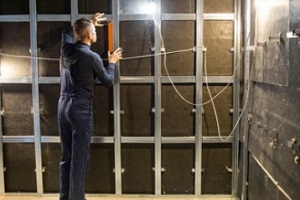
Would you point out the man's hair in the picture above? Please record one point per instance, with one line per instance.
(81, 27)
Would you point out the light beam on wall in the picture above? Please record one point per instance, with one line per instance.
(147, 8)
(267, 4)
(6, 69)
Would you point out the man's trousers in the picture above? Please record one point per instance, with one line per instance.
(75, 119)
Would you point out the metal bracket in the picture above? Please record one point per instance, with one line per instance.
(122, 112)
(2, 112)
(229, 169)
(42, 111)
(194, 171)
(194, 110)
(162, 169)
(122, 170)
(277, 39)
(43, 169)
(249, 48)
(153, 110)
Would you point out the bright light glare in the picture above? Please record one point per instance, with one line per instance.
(147, 8)
(6, 69)
(264, 7)
(267, 4)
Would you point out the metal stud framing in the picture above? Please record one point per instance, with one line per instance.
(199, 17)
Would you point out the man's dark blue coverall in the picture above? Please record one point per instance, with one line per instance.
(79, 68)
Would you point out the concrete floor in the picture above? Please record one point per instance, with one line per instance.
(89, 197)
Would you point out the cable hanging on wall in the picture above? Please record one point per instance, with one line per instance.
(164, 54)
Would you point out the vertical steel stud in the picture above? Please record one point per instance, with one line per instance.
(35, 95)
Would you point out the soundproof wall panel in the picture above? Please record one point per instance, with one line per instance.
(271, 23)
(19, 165)
(273, 135)
(137, 118)
(260, 185)
(276, 68)
(17, 7)
(177, 168)
(61, 7)
(48, 97)
(51, 153)
(94, 6)
(216, 165)
(100, 176)
(223, 105)
(137, 165)
(218, 6)
(49, 42)
(294, 59)
(179, 64)
(136, 40)
(259, 65)
(171, 6)
(218, 39)
(102, 107)
(17, 105)
(17, 43)
(177, 115)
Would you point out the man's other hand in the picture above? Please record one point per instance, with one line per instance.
(98, 19)
(115, 56)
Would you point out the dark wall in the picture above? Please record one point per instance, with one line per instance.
(274, 104)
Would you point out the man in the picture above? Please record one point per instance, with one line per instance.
(79, 68)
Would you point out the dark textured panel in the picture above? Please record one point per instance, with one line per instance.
(260, 186)
(178, 116)
(259, 65)
(137, 161)
(49, 39)
(16, 43)
(17, 103)
(19, 162)
(50, 161)
(137, 103)
(49, 95)
(218, 6)
(294, 63)
(135, 39)
(274, 124)
(178, 161)
(178, 6)
(14, 7)
(100, 175)
(223, 104)
(179, 63)
(215, 177)
(61, 7)
(276, 70)
(94, 6)
(218, 39)
(102, 105)
(272, 24)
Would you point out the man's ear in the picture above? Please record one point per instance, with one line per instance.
(90, 36)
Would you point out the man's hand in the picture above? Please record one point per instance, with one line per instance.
(98, 18)
(115, 56)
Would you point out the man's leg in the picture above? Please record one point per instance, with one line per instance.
(66, 148)
(82, 124)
